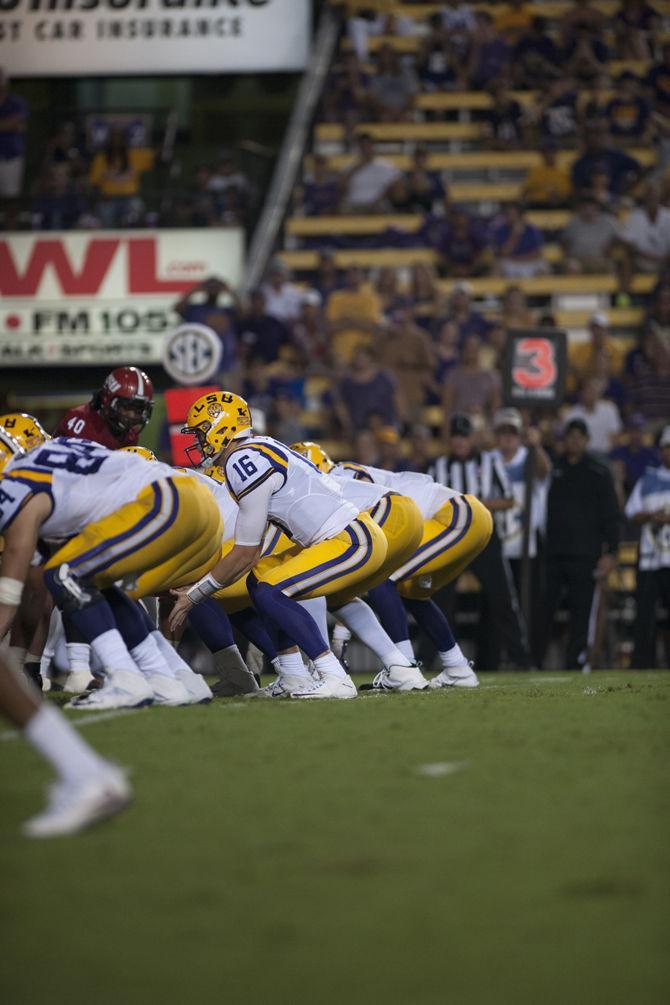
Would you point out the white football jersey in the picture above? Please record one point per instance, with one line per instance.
(428, 494)
(85, 482)
(224, 500)
(309, 506)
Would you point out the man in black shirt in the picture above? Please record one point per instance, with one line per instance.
(582, 535)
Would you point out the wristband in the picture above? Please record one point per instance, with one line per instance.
(204, 588)
(10, 591)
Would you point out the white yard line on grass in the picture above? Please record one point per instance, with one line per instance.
(528, 680)
(438, 769)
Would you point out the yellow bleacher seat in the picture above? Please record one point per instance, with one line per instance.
(549, 285)
(547, 8)
(320, 226)
(485, 160)
(400, 132)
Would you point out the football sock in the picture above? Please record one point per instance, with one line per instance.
(169, 653)
(112, 652)
(288, 615)
(340, 638)
(211, 623)
(292, 664)
(49, 732)
(388, 606)
(454, 657)
(361, 620)
(233, 672)
(434, 623)
(318, 608)
(329, 664)
(78, 656)
(253, 628)
(149, 658)
(407, 649)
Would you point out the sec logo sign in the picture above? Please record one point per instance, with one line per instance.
(192, 354)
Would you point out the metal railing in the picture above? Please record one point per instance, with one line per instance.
(290, 157)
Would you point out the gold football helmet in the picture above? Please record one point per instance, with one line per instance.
(216, 420)
(144, 452)
(25, 428)
(314, 453)
(9, 447)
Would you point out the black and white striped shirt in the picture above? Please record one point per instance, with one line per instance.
(482, 475)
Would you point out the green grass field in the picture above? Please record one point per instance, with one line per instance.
(289, 852)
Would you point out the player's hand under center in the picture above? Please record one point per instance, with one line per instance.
(180, 611)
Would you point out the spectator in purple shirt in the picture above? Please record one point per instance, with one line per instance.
(490, 54)
(460, 310)
(366, 391)
(518, 245)
(462, 247)
(634, 456)
(261, 335)
(628, 113)
(536, 58)
(13, 117)
(321, 191)
(623, 171)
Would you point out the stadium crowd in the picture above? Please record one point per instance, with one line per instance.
(383, 361)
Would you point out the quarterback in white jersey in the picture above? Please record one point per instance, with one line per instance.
(335, 545)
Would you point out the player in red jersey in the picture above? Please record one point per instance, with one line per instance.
(116, 414)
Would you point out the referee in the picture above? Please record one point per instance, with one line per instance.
(482, 474)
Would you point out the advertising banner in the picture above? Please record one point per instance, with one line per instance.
(48, 38)
(103, 297)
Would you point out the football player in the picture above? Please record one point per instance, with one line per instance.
(116, 414)
(335, 545)
(89, 788)
(121, 519)
(456, 528)
(31, 624)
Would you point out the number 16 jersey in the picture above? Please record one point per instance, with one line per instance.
(308, 505)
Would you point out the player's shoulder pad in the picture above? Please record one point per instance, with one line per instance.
(357, 471)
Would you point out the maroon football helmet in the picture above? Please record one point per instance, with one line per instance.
(125, 400)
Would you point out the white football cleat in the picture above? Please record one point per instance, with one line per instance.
(399, 678)
(282, 686)
(328, 686)
(197, 688)
(167, 690)
(72, 807)
(463, 676)
(121, 689)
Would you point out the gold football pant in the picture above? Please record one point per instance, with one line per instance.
(402, 525)
(330, 567)
(451, 540)
(170, 535)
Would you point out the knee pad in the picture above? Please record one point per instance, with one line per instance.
(70, 594)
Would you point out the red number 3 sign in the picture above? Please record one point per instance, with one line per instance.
(535, 364)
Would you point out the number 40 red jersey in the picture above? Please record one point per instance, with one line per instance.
(85, 423)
